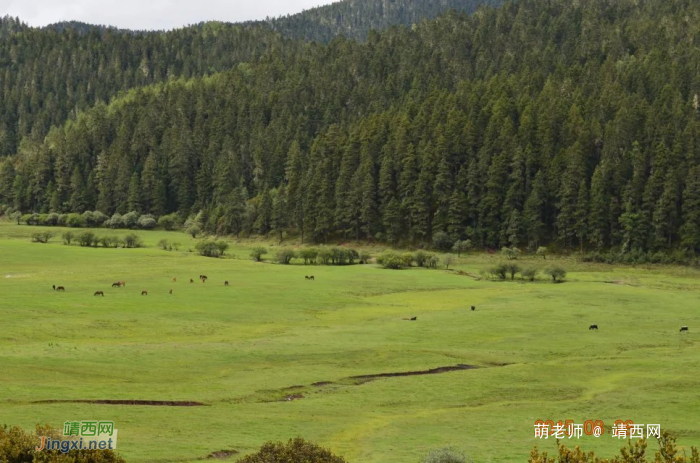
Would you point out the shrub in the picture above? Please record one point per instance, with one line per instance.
(130, 220)
(285, 256)
(557, 273)
(442, 241)
(500, 271)
(445, 455)
(325, 256)
(175, 246)
(27, 219)
(512, 270)
(52, 219)
(132, 240)
(18, 446)
(420, 257)
(365, 257)
(110, 241)
(448, 260)
(147, 222)
(62, 219)
(510, 253)
(462, 246)
(222, 246)
(75, 220)
(257, 253)
(392, 260)
(41, 220)
(529, 273)
(68, 237)
(542, 251)
(99, 219)
(163, 244)
(193, 230)
(295, 451)
(115, 222)
(170, 221)
(42, 237)
(309, 255)
(208, 249)
(86, 239)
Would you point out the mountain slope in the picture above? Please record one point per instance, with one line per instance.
(543, 121)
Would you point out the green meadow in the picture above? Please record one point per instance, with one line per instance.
(273, 356)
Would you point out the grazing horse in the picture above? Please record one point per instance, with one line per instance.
(171, 291)
(191, 280)
(174, 280)
(684, 328)
(593, 327)
(144, 293)
(473, 307)
(414, 319)
(60, 288)
(226, 283)
(311, 277)
(116, 285)
(54, 287)
(99, 293)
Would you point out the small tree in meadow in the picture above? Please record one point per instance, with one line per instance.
(500, 271)
(510, 253)
(194, 230)
(16, 217)
(512, 270)
(42, 237)
(285, 256)
(529, 273)
(222, 246)
(365, 257)
(132, 240)
(68, 237)
(164, 244)
(542, 251)
(448, 260)
(557, 273)
(309, 255)
(86, 239)
(258, 253)
(462, 246)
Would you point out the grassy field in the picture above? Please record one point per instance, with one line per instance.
(245, 349)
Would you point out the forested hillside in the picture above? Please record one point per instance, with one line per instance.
(48, 74)
(355, 18)
(541, 121)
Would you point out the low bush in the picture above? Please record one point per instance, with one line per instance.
(86, 239)
(258, 253)
(132, 240)
(285, 256)
(295, 451)
(42, 237)
(557, 273)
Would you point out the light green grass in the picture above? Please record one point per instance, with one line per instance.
(238, 348)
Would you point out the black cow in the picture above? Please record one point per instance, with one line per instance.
(414, 319)
(54, 287)
(684, 328)
(473, 308)
(226, 283)
(593, 327)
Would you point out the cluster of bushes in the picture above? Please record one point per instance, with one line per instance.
(166, 245)
(90, 239)
(18, 446)
(42, 237)
(510, 270)
(395, 261)
(96, 219)
(322, 256)
(211, 248)
(637, 257)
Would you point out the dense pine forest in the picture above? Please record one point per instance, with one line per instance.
(541, 121)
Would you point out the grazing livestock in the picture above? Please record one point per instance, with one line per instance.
(54, 287)
(174, 280)
(171, 291)
(191, 280)
(684, 328)
(60, 288)
(99, 293)
(414, 319)
(593, 327)
(226, 283)
(116, 285)
(473, 308)
(310, 277)
(144, 293)
(122, 283)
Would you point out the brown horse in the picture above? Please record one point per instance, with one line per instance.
(122, 283)
(191, 280)
(144, 293)
(116, 285)
(174, 280)
(171, 291)
(99, 293)
(60, 288)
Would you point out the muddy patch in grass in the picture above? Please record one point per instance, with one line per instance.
(153, 403)
(222, 454)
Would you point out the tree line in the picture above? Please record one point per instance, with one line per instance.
(576, 124)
